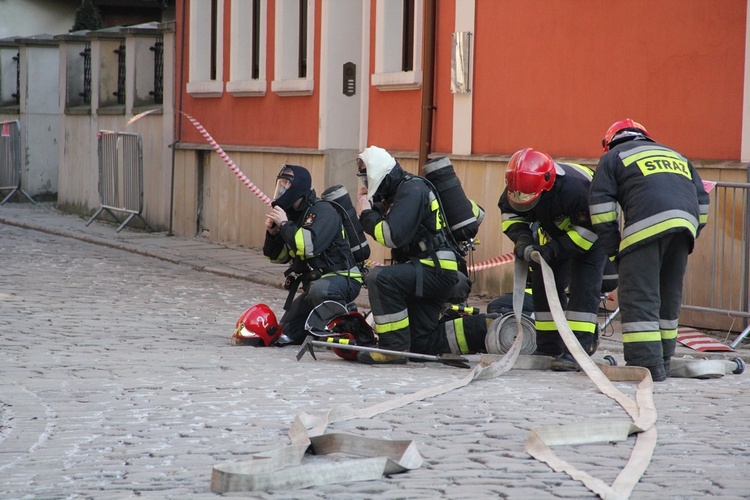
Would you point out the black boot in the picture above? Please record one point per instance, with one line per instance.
(657, 372)
(565, 362)
(667, 359)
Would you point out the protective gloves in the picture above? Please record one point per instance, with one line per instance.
(545, 251)
(522, 243)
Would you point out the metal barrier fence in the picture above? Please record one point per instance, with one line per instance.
(120, 176)
(722, 258)
(10, 160)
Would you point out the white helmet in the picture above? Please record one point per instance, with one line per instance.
(378, 163)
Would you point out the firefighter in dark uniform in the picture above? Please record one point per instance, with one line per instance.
(665, 207)
(307, 233)
(555, 195)
(407, 297)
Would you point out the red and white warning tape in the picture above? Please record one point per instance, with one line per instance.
(487, 264)
(240, 175)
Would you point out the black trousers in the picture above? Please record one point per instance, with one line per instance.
(404, 321)
(337, 288)
(650, 294)
(581, 275)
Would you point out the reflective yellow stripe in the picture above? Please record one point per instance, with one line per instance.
(460, 336)
(547, 326)
(299, 242)
(668, 334)
(389, 327)
(435, 207)
(605, 217)
(654, 230)
(582, 326)
(641, 337)
(703, 218)
(379, 237)
(451, 265)
(507, 223)
(580, 240)
(650, 153)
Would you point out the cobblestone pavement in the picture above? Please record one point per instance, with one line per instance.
(117, 380)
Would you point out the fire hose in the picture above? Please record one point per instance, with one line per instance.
(283, 468)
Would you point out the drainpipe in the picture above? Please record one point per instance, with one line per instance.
(177, 117)
(428, 83)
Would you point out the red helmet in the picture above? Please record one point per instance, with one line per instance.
(256, 327)
(529, 173)
(619, 126)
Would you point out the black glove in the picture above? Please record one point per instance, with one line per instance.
(522, 243)
(545, 251)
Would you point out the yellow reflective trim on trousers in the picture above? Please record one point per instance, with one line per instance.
(668, 334)
(460, 336)
(641, 337)
(450, 265)
(605, 217)
(547, 326)
(389, 327)
(654, 230)
(354, 276)
(582, 326)
(703, 219)
(379, 237)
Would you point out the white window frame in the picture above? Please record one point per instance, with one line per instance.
(241, 83)
(200, 83)
(388, 43)
(286, 41)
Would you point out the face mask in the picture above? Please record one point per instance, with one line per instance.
(362, 171)
(292, 183)
(284, 182)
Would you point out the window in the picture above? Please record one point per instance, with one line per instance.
(120, 92)
(206, 48)
(158, 92)
(247, 62)
(293, 63)
(85, 62)
(398, 45)
(10, 90)
(111, 81)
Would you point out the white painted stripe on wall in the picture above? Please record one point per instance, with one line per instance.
(462, 103)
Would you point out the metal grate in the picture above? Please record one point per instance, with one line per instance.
(86, 54)
(120, 74)
(158, 92)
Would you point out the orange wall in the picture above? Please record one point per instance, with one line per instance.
(442, 120)
(270, 120)
(395, 116)
(555, 75)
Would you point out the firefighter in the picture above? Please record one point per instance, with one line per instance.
(402, 212)
(665, 207)
(306, 232)
(555, 195)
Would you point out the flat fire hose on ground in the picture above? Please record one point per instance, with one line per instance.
(283, 468)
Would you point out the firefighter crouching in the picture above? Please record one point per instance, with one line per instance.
(402, 212)
(665, 207)
(555, 195)
(307, 233)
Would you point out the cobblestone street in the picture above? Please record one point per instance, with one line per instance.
(117, 379)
